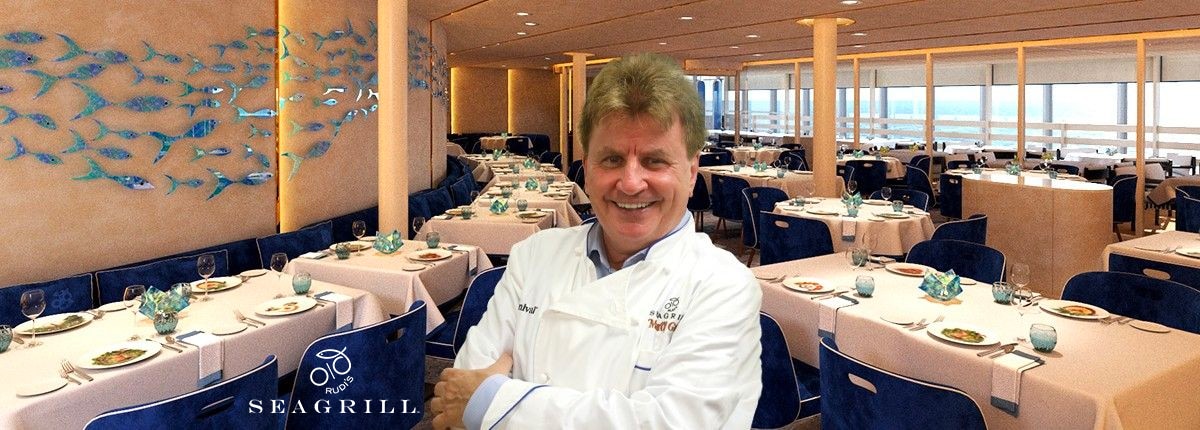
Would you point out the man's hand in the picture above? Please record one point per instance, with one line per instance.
(454, 390)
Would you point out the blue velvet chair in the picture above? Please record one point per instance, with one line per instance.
(785, 238)
(1065, 168)
(789, 393)
(959, 164)
(1165, 302)
(575, 172)
(1125, 197)
(295, 243)
(700, 201)
(914, 198)
(1192, 191)
(755, 200)
(551, 157)
(889, 400)
(950, 200)
(716, 158)
(972, 229)
(1186, 275)
(460, 190)
(70, 294)
(917, 179)
(519, 145)
(427, 203)
(727, 198)
(445, 340)
(921, 161)
(225, 405)
(160, 274)
(968, 259)
(1187, 213)
(387, 362)
(846, 173)
(538, 143)
(794, 159)
(342, 227)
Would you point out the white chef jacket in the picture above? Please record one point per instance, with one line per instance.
(668, 342)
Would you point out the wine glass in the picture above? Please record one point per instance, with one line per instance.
(359, 229)
(1022, 299)
(886, 193)
(857, 256)
(33, 303)
(206, 265)
(279, 261)
(418, 222)
(132, 301)
(474, 196)
(851, 187)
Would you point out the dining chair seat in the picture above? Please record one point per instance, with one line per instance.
(294, 243)
(70, 294)
(445, 341)
(791, 389)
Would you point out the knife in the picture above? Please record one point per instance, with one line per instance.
(1008, 347)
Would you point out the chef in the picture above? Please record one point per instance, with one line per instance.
(634, 321)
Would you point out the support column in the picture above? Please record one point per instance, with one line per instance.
(929, 111)
(824, 163)
(797, 102)
(737, 108)
(393, 116)
(578, 96)
(857, 108)
(1139, 211)
(1020, 157)
(564, 111)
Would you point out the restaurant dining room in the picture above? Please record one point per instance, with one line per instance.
(885, 214)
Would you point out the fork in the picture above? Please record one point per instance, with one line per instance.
(919, 326)
(916, 324)
(70, 368)
(64, 375)
(247, 321)
(96, 313)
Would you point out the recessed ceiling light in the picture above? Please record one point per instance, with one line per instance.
(483, 47)
(531, 23)
(453, 53)
(735, 47)
(850, 2)
(522, 13)
(662, 43)
(756, 55)
(859, 46)
(521, 33)
(752, 36)
(859, 34)
(686, 18)
(547, 58)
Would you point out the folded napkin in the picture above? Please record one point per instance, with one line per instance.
(472, 258)
(827, 315)
(443, 217)
(848, 227)
(315, 255)
(1006, 379)
(553, 216)
(211, 356)
(344, 306)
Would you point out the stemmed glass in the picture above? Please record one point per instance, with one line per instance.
(418, 222)
(851, 187)
(206, 265)
(359, 229)
(133, 298)
(1022, 299)
(886, 193)
(279, 262)
(33, 303)
(857, 256)
(1020, 275)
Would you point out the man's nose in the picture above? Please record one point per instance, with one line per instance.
(633, 179)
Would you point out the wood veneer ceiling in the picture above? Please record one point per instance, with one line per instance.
(483, 33)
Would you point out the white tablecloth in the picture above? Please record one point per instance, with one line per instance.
(747, 154)
(1158, 247)
(482, 165)
(1098, 377)
(495, 234)
(888, 236)
(169, 373)
(794, 183)
(1165, 191)
(895, 169)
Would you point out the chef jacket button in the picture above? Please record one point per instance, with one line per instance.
(543, 378)
(614, 308)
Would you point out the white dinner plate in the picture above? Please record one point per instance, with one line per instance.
(113, 306)
(227, 282)
(285, 306)
(877, 202)
(410, 267)
(815, 211)
(808, 285)
(454, 211)
(1149, 326)
(429, 255)
(1072, 309)
(531, 214)
(908, 269)
(1190, 251)
(892, 215)
(226, 330)
(354, 245)
(253, 273)
(761, 175)
(898, 318)
(55, 323)
(134, 352)
(966, 281)
(41, 386)
(947, 332)
(368, 238)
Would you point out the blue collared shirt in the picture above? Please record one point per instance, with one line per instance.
(595, 251)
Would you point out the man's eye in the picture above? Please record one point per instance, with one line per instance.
(611, 161)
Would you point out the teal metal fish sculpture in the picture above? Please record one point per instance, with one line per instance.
(310, 127)
(151, 54)
(201, 153)
(127, 181)
(266, 32)
(198, 130)
(255, 131)
(24, 37)
(197, 65)
(261, 113)
(106, 57)
(236, 44)
(190, 183)
(208, 103)
(104, 131)
(317, 150)
(40, 119)
(109, 152)
(136, 104)
(256, 178)
(210, 89)
(10, 58)
(138, 76)
(263, 49)
(43, 157)
(262, 158)
(255, 82)
(223, 68)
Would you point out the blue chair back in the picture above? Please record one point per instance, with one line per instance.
(575, 172)
(920, 161)
(785, 238)
(517, 145)
(973, 229)
(225, 405)
(1165, 302)
(551, 157)
(386, 361)
(972, 260)
(727, 196)
(70, 294)
(700, 200)
(342, 227)
(915, 198)
(917, 179)
(460, 190)
(782, 398)
(295, 243)
(950, 200)
(846, 173)
(887, 400)
(1192, 191)
(959, 164)
(539, 143)
(755, 200)
(794, 159)
(1124, 198)
(1187, 213)
(475, 302)
(716, 158)
(1065, 168)
(159, 274)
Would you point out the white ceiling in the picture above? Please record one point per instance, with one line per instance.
(483, 33)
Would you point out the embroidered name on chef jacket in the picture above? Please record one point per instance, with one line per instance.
(526, 308)
(666, 318)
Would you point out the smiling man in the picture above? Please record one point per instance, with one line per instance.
(630, 322)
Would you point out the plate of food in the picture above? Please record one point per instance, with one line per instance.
(285, 306)
(761, 175)
(54, 323)
(1072, 309)
(353, 246)
(213, 285)
(907, 269)
(964, 334)
(892, 215)
(1189, 251)
(117, 355)
(531, 214)
(816, 211)
(808, 285)
(558, 196)
(429, 255)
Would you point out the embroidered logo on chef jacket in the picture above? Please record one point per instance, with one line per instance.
(666, 318)
(521, 307)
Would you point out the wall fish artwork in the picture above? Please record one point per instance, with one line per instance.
(40, 119)
(109, 152)
(190, 183)
(43, 157)
(188, 89)
(104, 131)
(201, 153)
(24, 37)
(10, 58)
(358, 38)
(5, 89)
(261, 113)
(208, 103)
(317, 150)
(255, 131)
(293, 98)
(256, 178)
(151, 53)
(237, 44)
(262, 158)
(263, 49)
(197, 65)
(161, 80)
(266, 32)
(197, 131)
(136, 104)
(255, 82)
(333, 35)
(223, 68)
(287, 76)
(106, 57)
(127, 181)
(310, 127)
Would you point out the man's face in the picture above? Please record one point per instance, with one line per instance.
(639, 178)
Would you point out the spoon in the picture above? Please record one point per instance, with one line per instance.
(171, 341)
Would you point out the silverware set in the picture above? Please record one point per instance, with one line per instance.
(96, 313)
(830, 295)
(67, 369)
(1120, 320)
(920, 325)
(247, 321)
(1003, 348)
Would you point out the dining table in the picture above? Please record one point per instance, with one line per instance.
(750, 154)
(483, 166)
(1101, 375)
(876, 225)
(1172, 255)
(413, 272)
(793, 182)
(493, 232)
(1164, 192)
(232, 348)
(895, 168)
